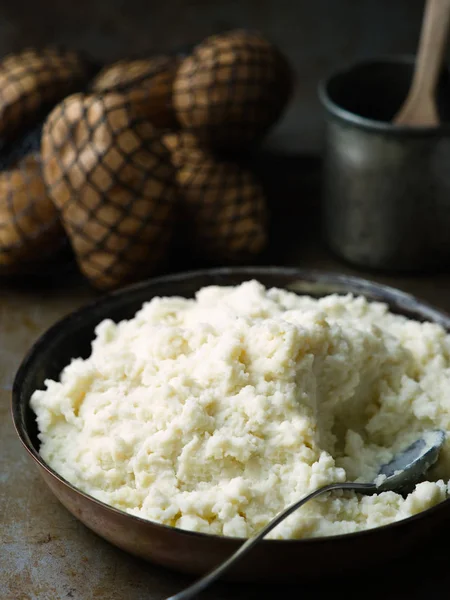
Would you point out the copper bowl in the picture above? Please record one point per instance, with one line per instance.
(189, 552)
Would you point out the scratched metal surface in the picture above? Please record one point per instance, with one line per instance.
(46, 554)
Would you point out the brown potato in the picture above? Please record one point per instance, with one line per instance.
(33, 80)
(30, 230)
(223, 206)
(147, 85)
(232, 89)
(113, 181)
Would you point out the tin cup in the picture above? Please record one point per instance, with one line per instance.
(386, 188)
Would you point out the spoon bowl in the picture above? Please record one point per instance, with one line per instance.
(407, 468)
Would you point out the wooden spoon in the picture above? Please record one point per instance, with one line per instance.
(419, 108)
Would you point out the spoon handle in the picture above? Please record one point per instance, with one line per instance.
(205, 581)
(419, 107)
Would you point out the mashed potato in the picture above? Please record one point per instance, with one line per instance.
(212, 414)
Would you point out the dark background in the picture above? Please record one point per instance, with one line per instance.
(317, 35)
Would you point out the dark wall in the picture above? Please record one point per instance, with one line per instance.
(317, 35)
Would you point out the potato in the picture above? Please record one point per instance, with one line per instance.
(232, 89)
(222, 204)
(147, 85)
(34, 80)
(30, 230)
(113, 182)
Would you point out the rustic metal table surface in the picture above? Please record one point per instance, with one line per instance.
(46, 554)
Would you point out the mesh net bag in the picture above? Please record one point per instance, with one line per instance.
(30, 230)
(222, 205)
(231, 89)
(146, 84)
(34, 80)
(111, 177)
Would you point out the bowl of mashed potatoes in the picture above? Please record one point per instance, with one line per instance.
(178, 416)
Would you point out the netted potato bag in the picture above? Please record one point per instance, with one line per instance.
(232, 89)
(30, 230)
(111, 177)
(222, 204)
(32, 81)
(146, 84)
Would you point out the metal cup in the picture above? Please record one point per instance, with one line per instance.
(386, 188)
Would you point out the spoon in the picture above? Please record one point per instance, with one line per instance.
(419, 108)
(402, 473)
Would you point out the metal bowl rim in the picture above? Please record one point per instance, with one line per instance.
(311, 275)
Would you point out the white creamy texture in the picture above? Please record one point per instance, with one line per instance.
(213, 414)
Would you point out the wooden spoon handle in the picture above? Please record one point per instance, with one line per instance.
(420, 103)
(432, 44)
